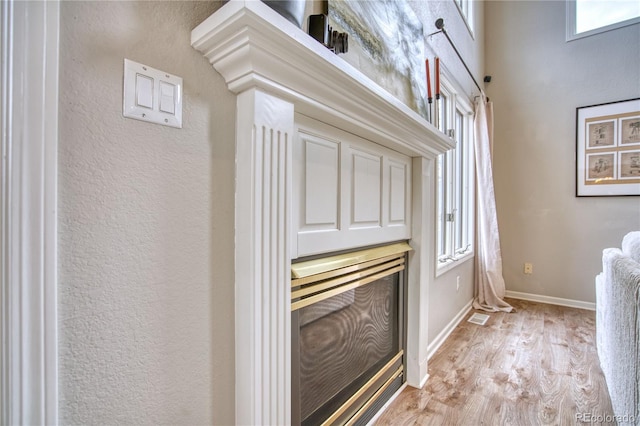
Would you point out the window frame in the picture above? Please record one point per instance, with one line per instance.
(571, 24)
(465, 7)
(455, 182)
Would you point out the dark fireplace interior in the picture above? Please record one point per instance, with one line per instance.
(347, 336)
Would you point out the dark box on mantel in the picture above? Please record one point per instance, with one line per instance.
(319, 28)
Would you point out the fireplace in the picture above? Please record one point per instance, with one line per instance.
(279, 74)
(347, 333)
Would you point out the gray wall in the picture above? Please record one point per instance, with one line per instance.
(539, 80)
(145, 225)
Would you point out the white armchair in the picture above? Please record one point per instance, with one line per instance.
(618, 327)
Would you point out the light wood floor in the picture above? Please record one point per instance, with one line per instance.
(538, 366)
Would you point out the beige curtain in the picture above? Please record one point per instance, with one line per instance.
(489, 283)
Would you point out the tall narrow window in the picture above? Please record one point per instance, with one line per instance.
(444, 166)
(455, 184)
(460, 187)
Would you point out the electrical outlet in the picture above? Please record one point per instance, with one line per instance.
(458, 283)
(528, 268)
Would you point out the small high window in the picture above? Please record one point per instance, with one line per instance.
(588, 17)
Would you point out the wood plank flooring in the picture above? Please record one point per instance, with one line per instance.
(538, 366)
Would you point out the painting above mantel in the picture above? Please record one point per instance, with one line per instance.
(386, 44)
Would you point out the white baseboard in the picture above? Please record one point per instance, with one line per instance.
(424, 381)
(440, 338)
(551, 300)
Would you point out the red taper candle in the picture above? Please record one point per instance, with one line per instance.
(437, 77)
(428, 80)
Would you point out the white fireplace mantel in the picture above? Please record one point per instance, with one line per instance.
(278, 71)
(252, 46)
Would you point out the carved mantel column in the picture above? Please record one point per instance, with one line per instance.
(264, 129)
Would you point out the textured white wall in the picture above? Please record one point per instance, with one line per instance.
(145, 225)
(538, 82)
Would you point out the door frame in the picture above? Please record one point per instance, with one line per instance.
(28, 230)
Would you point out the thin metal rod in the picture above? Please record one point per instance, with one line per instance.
(443, 31)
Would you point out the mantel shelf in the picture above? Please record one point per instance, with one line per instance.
(252, 46)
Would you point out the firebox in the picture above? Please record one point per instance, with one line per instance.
(348, 334)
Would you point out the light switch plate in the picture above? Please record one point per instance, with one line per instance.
(152, 95)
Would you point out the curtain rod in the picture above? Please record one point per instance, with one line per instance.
(440, 27)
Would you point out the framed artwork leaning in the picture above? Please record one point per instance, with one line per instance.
(608, 149)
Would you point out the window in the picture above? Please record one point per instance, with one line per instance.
(465, 7)
(455, 181)
(588, 17)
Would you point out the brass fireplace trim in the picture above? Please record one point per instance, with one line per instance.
(319, 279)
(342, 279)
(341, 261)
(327, 294)
(375, 396)
(343, 271)
(388, 366)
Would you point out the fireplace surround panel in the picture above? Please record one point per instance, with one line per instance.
(349, 192)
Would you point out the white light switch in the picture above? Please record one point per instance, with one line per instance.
(152, 95)
(167, 97)
(144, 91)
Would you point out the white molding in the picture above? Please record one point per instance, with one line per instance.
(452, 264)
(551, 300)
(29, 125)
(570, 19)
(264, 132)
(446, 332)
(419, 270)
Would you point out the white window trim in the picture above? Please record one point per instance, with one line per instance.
(450, 264)
(458, 102)
(467, 19)
(571, 24)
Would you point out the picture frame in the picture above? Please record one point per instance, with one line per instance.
(608, 149)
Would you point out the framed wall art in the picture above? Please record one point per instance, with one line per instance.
(608, 149)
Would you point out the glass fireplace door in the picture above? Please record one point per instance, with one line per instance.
(348, 334)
